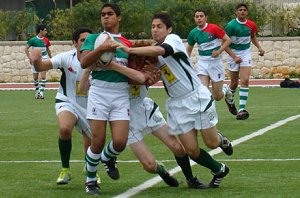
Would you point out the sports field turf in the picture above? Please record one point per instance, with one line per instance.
(267, 165)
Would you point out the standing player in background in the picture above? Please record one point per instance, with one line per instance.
(242, 32)
(190, 106)
(39, 41)
(70, 103)
(210, 67)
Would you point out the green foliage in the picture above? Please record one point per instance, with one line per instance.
(5, 27)
(23, 20)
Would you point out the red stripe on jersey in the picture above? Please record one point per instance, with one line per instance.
(215, 30)
(125, 41)
(250, 24)
(46, 40)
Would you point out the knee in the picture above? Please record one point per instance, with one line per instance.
(177, 149)
(218, 96)
(193, 153)
(245, 82)
(119, 144)
(65, 133)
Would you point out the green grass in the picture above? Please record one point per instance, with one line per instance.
(29, 132)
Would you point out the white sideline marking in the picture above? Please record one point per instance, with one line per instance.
(151, 182)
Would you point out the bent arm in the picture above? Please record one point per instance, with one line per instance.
(35, 58)
(189, 49)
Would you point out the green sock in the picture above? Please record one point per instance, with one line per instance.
(160, 169)
(65, 147)
(204, 159)
(185, 166)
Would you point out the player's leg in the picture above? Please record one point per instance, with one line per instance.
(93, 155)
(244, 92)
(204, 79)
(234, 82)
(43, 84)
(217, 90)
(119, 132)
(217, 75)
(67, 121)
(149, 163)
(35, 76)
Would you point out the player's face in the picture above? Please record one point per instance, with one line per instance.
(200, 19)
(109, 19)
(241, 13)
(44, 32)
(159, 30)
(81, 40)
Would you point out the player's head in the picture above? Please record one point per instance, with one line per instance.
(241, 11)
(110, 17)
(161, 26)
(200, 17)
(79, 35)
(41, 29)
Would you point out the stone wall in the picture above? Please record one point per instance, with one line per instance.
(282, 58)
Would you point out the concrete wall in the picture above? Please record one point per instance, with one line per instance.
(282, 58)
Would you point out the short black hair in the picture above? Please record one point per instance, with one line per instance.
(39, 28)
(113, 6)
(78, 31)
(241, 5)
(164, 17)
(201, 10)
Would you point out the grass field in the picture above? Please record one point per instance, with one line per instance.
(265, 166)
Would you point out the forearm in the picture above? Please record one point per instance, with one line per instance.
(49, 53)
(255, 42)
(84, 83)
(189, 50)
(130, 73)
(147, 51)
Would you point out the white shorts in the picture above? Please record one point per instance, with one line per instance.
(245, 55)
(193, 111)
(108, 103)
(80, 114)
(212, 68)
(145, 116)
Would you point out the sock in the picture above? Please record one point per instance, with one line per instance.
(65, 147)
(185, 166)
(36, 85)
(160, 169)
(109, 152)
(204, 159)
(244, 92)
(92, 161)
(43, 85)
(230, 100)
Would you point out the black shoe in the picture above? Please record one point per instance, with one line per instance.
(231, 108)
(225, 144)
(168, 179)
(195, 183)
(92, 188)
(111, 168)
(216, 181)
(242, 115)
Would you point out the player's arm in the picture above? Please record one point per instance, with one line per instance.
(89, 57)
(146, 51)
(255, 42)
(35, 58)
(84, 83)
(189, 49)
(226, 41)
(49, 52)
(27, 52)
(236, 59)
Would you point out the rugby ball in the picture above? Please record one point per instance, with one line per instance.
(105, 57)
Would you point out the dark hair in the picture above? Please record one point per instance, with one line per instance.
(78, 31)
(164, 17)
(113, 6)
(241, 5)
(201, 10)
(39, 28)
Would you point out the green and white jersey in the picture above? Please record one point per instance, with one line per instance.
(208, 40)
(240, 33)
(120, 57)
(70, 67)
(41, 43)
(178, 74)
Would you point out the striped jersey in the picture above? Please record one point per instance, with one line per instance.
(177, 72)
(207, 39)
(71, 70)
(240, 33)
(120, 57)
(41, 43)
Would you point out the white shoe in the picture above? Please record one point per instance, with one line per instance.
(41, 95)
(37, 95)
(64, 176)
